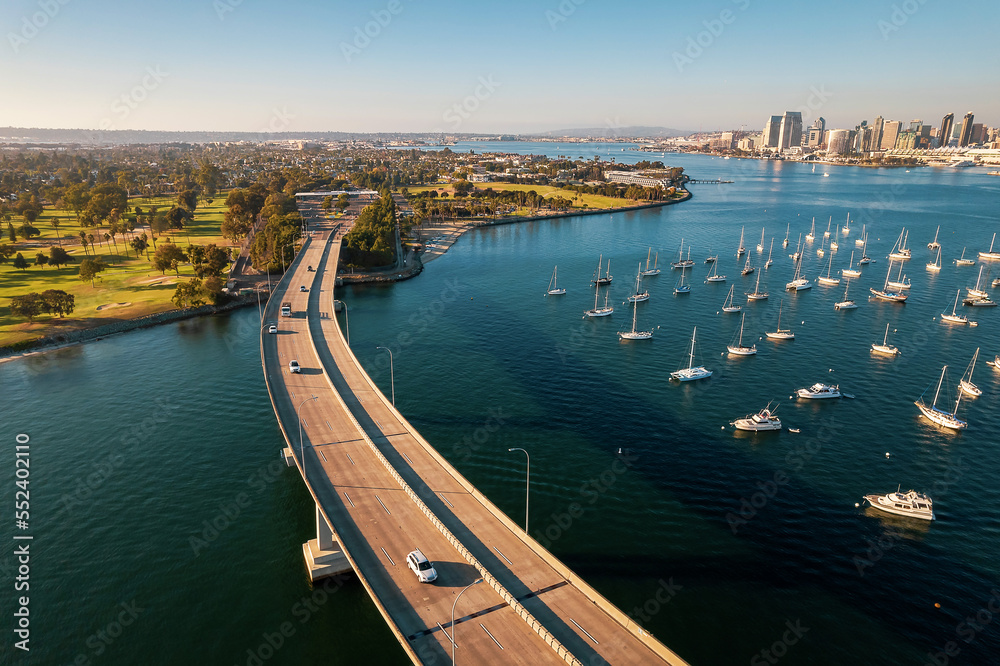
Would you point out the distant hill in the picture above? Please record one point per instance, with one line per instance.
(637, 131)
(98, 137)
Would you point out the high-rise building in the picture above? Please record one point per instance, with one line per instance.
(947, 126)
(814, 136)
(771, 131)
(790, 131)
(889, 134)
(820, 123)
(965, 135)
(978, 134)
(877, 128)
(915, 125)
(839, 142)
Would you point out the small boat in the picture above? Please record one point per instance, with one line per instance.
(607, 278)
(638, 295)
(761, 421)
(850, 271)
(819, 391)
(996, 283)
(795, 430)
(554, 288)
(713, 275)
(995, 362)
(682, 287)
(976, 292)
(740, 250)
(728, 305)
(634, 334)
(747, 268)
(847, 225)
(966, 382)
(938, 415)
(936, 264)
(991, 255)
(900, 283)
(858, 242)
(767, 264)
(681, 262)
(846, 304)
(910, 504)
(821, 251)
(711, 259)
(780, 333)
(784, 243)
(962, 261)
(835, 243)
(599, 312)
(885, 347)
(739, 349)
(826, 234)
(954, 317)
(760, 245)
(885, 294)
(934, 245)
(899, 251)
(649, 272)
(828, 280)
(756, 294)
(798, 282)
(979, 302)
(811, 236)
(691, 372)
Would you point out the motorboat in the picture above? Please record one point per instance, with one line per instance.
(819, 391)
(762, 420)
(910, 504)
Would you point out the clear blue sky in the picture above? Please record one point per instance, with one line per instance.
(281, 65)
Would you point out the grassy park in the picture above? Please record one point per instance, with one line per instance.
(580, 201)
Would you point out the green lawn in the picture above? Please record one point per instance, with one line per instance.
(590, 200)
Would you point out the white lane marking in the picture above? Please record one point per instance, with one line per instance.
(491, 636)
(349, 457)
(304, 424)
(390, 559)
(324, 457)
(377, 423)
(329, 426)
(446, 500)
(445, 631)
(383, 505)
(584, 631)
(349, 500)
(407, 458)
(503, 556)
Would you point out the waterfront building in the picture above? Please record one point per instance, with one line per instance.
(965, 135)
(877, 128)
(814, 137)
(771, 131)
(790, 130)
(839, 142)
(748, 144)
(632, 178)
(978, 134)
(947, 127)
(889, 134)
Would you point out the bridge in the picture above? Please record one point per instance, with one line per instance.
(381, 491)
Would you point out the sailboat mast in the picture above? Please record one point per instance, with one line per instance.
(742, 319)
(934, 404)
(691, 356)
(885, 337)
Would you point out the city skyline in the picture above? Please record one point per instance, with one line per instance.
(388, 66)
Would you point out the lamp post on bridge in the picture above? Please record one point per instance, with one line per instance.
(392, 374)
(527, 485)
(302, 444)
(475, 582)
(346, 319)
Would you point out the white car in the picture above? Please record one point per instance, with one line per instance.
(421, 567)
(303, 288)
(293, 366)
(272, 329)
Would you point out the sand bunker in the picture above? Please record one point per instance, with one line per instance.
(108, 306)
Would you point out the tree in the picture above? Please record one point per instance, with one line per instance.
(10, 233)
(212, 286)
(208, 260)
(139, 244)
(83, 241)
(27, 305)
(58, 257)
(6, 251)
(327, 203)
(55, 227)
(343, 202)
(20, 262)
(189, 294)
(58, 301)
(89, 268)
(177, 216)
(76, 197)
(41, 259)
(168, 255)
(188, 199)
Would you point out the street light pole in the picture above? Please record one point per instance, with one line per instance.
(302, 444)
(527, 486)
(475, 582)
(392, 375)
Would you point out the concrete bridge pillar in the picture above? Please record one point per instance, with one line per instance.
(324, 556)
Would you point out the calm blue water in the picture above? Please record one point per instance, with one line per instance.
(486, 347)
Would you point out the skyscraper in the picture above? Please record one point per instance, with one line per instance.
(889, 134)
(839, 142)
(965, 136)
(771, 131)
(877, 128)
(947, 126)
(790, 132)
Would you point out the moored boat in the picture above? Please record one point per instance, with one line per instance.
(819, 391)
(910, 504)
(761, 421)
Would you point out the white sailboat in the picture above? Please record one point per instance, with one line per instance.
(649, 272)
(554, 288)
(606, 279)
(638, 295)
(681, 262)
(747, 268)
(826, 234)
(977, 292)
(691, 372)
(858, 242)
(798, 282)
(757, 294)
(760, 245)
(784, 243)
(936, 264)
(954, 317)
(811, 236)
(827, 279)
(728, 305)
(885, 294)
(962, 261)
(634, 334)
(938, 415)
(966, 382)
(682, 287)
(713, 275)
(846, 304)
(885, 347)
(740, 250)
(739, 349)
(835, 243)
(780, 333)
(711, 258)
(798, 250)
(851, 271)
(822, 248)
(847, 225)
(865, 259)
(991, 255)
(899, 251)
(767, 264)
(602, 311)
(900, 283)
(934, 245)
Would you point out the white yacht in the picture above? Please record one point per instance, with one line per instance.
(607, 278)
(976, 292)
(885, 347)
(757, 294)
(691, 372)
(828, 280)
(936, 264)
(728, 305)
(747, 268)
(962, 261)
(741, 249)
(681, 262)
(954, 317)
(602, 311)
(901, 282)
(966, 382)
(938, 415)
(762, 420)
(885, 294)
(991, 255)
(850, 271)
(713, 275)
(826, 234)
(554, 288)
(767, 264)
(819, 391)
(811, 236)
(934, 245)
(847, 225)
(738, 348)
(846, 304)
(899, 251)
(634, 334)
(910, 504)
(780, 333)
(760, 245)
(858, 242)
(784, 243)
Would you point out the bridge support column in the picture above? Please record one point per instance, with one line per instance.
(323, 555)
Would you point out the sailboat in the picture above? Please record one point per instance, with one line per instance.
(954, 317)
(991, 255)
(811, 236)
(847, 225)
(858, 242)
(976, 292)
(682, 287)
(900, 283)
(747, 268)
(681, 262)
(598, 280)
(649, 272)
(850, 271)
(822, 248)
(936, 264)
(767, 264)
(835, 243)
(865, 259)
(780, 333)
(962, 261)
(899, 251)
(938, 415)
(638, 295)
(740, 250)
(714, 276)
(760, 245)
(554, 288)
(885, 347)
(885, 294)
(798, 250)
(798, 282)
(634, 334)
(739, 349)
(728, 305)
(711, 258)
(599, 312)
(757, 294)
(846, 304)
(827, 280)
(691, 372)
(784, 243)
(934, 245)
(966, 382)
(826, 234)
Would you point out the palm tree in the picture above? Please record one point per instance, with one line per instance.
(55, 226)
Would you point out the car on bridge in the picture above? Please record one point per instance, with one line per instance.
(425, 571)
(272, 329)
(303, 288)
(293, 366)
